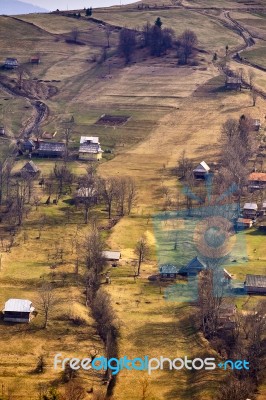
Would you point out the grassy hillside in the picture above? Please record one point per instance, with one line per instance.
(171, 109)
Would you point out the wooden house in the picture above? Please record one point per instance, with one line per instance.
(111, 255)
(233, 83)
(255, 284)
(250, 210)
(193, 268)
(18, 310)
(11, 63)
(85, 194)
(255, 124)
(201, 171)
(90, 149)
(30, 168)
(168, 271)
(244, 223)
(27, 146)
(257, 180)
(51, 149)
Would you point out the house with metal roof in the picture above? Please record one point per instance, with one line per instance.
(111, 255)
(168, 271)
(250, 210)
(201, 171)
(193, 268)
(255, 284)
(257, 180)
(90, 148)
(51, 149)
(30, 168)
(11, 63)
(18, 310)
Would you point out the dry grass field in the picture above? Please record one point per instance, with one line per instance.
(172, 109)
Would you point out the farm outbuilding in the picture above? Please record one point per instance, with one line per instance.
(201, 171)
(233, 82)
(255, 284)
(257, 180)
(30, 168)
(35, 60)
(250, 210)
(86, 194)
(193, 268)
(27, 146)
(168, 271)
(18, 310)
(51, 149)
(11, 63)
(110, 255)
(244, 223)
(90, 148)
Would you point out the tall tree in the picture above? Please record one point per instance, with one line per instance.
(142, 250)
(127, 43)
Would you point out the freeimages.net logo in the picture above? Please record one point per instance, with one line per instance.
(146, 364)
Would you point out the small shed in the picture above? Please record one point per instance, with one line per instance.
(168, 271)
(255, 284)
(250, 210)
(11, 63)
(51, 149)
(201, 171)
(255, 124)
(244, 223)
(18, 310)
(30, 168)
(111, 255)
(233, 83)
(257, 180)
(35, 60)
(193, 268)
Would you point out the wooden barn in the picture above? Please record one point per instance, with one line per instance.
(18, 310)
(257, 180)
(244, 223)
(51, 149)
(193, 268)
(111, 255)
(90, 149)
(201, 171)
(30, 168)
(11, 63)
(255, 284)
(27, 146)
(233, 83)
(250, 210)
(168, 271)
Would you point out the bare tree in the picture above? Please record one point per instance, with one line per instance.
(46, 301)
(127, 43)
(109, 193)
(188, 40)
(142, 250)
(108, 33)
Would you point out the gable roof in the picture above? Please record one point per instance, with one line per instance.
(202, 167)
(193, 267)
(89, 139)
(111, 255)
(52, 146)
(257, 176)
(168, 269)
(250, 206)
(30, 167)
(256, 280)
(18, 305)
(92, 148)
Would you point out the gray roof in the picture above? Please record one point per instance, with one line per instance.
(202, 167)
(30, 167)
(51, 146)
(18, 305)
(250, 206)
(193, 267)
(169, 269)
(11, 60)
(111, 255)
(91, 148)
(256, 280)
(89, 139)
